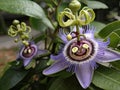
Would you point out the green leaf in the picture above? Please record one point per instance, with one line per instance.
(96, 5)
(25, 7)
(61, 7)
(98, 26)
(62, 74)
(39, 38)
(117, 31)
(114, 40)
(116, 64)
(109, 29)
(38, 24)
(83, 1)
(107, 78)
(11, 77)
(65, 84)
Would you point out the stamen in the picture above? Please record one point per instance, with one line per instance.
(69, 37)
(85, 46)
(74, 49)
(25, 51)
(29, 50)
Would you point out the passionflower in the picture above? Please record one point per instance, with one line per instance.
(81, 56)
(27, 53)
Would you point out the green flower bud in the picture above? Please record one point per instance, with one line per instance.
(20, 31)
(75, 5)
(25, 43)
(16, 40)
(15, 22)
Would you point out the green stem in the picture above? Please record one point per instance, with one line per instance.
(56, 28)
(46, 40)
(77, 28)
(54, 34)
(49, 48)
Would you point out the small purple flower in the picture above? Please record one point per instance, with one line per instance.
(28, 52)
(81, 56)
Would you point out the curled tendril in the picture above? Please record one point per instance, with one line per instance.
(19, 30)
(86, 15)
(66, 14)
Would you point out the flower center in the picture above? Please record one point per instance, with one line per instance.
(28, 51)
(83, 50)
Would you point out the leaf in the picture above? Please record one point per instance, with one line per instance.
(11, 77)
(25, 7)
(117, 31)
(37, 24)
(96, 5)
(65, 84)
(61, 7)
(83, 1)
(109, 29)
(39, 38)
(107, 78)
(62, 74)
(116, 64)
(114, 40)
(98, 26)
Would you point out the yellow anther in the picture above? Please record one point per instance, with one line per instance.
(24, 36)
(29, 50)
(69, 37)
(86, 46)
(25, 51)
(74, 49)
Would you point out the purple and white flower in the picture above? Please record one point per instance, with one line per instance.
(81, 56)
(27, 53)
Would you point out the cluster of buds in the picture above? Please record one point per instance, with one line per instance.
(20, 31)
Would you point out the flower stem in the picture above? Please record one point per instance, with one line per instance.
(78, 33)
(46, 39)
(77, 27)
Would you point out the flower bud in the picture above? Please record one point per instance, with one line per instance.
(75, 5)
(15, 22)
